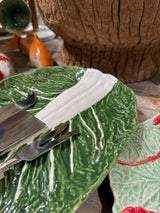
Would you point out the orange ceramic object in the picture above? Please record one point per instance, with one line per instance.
(39, 55)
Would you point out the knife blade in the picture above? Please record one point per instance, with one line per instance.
(17, 127)
(16, 124)
(10, 109)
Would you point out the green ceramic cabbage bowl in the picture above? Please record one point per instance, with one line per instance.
(62, 179)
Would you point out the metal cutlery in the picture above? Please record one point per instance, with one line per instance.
(38, 147)
(16, 124)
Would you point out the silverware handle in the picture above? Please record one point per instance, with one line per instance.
(6, 164)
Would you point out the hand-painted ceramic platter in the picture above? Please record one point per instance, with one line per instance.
(61, 180)
(139, 186)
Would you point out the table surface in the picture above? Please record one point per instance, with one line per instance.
(148, 104)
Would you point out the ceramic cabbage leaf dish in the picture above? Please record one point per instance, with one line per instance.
(139, 185)
(99, 106)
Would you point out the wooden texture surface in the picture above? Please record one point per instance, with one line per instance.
(117, 37)
(33, 10)
(148, 104)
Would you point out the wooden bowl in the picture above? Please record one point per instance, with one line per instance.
(117, 37)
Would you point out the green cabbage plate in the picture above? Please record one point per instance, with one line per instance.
(61, 180)
(138, 185)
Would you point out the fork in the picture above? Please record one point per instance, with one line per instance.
(37, 147)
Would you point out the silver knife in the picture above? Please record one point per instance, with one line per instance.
(10, 109)
(16, 124)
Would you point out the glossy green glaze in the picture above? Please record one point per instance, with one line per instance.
(61, 180)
